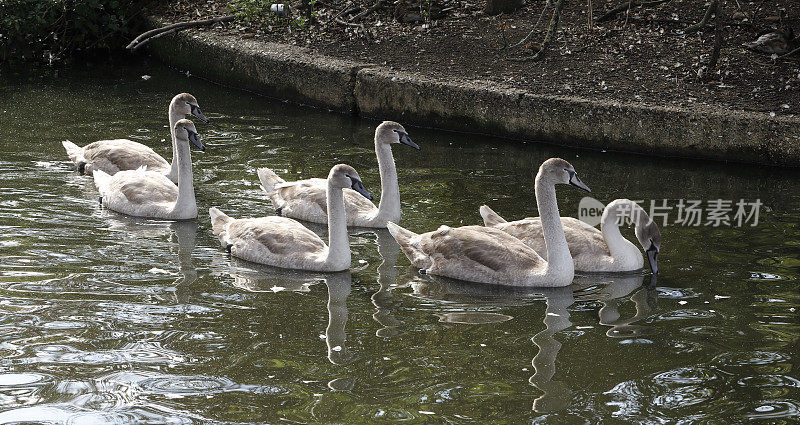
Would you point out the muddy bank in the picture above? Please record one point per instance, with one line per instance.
(298, 74)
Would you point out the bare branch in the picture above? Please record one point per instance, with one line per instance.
(786, 55)
(153, 34)
(611, 14)
(590, 15)
(703, 22)
(371, 9)
(348, 24)
(551, 30)
(712, 63)
(536, 25)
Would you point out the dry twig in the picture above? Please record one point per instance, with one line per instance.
(712, 63)
(536, 25)
(366, 12)
(627, 6)
(153, 34)
(551, 30)
(786, 55)
(703, 22)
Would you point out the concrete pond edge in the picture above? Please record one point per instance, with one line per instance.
(297, 74)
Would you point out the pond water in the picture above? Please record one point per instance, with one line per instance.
(110, 319)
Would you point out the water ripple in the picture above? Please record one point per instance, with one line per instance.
(749, 358)
(66, 414)
(771, 409)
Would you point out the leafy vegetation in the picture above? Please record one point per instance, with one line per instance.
(259, 12)
(53, 30)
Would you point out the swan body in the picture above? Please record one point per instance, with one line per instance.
(284, 242)
(592, 250)
(487, 255)
(113, 156)
(305, 199)
(145, 193)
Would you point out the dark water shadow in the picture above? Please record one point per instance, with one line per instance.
(610, 290)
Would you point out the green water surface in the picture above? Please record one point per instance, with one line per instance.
(111, 319)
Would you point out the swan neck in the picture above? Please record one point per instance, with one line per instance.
(183, 157)
(619, 247)
(338, 243)
(174, 116)
(559, 260)
(389, 206)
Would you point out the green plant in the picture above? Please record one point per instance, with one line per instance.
(257, 13)
(52, 30)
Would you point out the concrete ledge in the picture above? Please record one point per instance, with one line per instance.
(277, 70)
(295, 73)
(472, 106)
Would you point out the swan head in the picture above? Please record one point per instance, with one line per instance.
(649, 236)
(557, 170)
(185, 131)
(344, 176)
(186, 104)
(391, 132)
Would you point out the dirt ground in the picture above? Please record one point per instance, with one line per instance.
(643, 56)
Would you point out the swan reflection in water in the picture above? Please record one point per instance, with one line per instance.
(180, 235)
(610, 290)
(644, 299)
(185, 232)
(255, 277)
(389, 251)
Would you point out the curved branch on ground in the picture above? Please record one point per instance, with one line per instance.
(712, 63)
(551, 30)
(344, 12)
(348, 24)
(790, 53)
(611, 14)
(703, 22)
(536, 25)
(153, 34)
(371, 9)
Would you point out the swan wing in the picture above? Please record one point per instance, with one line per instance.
(112, 156)
(357, 205)
(303, 199)
(477, 253)
(582, 238)
(141, 187)
(528, 230)
(307, 200)
(276, 241)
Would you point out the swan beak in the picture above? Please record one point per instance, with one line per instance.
(196, 112)
(576, 181)
(653, 281)
(195, 138)
(652, 257)
(404, 139)
(359, 187)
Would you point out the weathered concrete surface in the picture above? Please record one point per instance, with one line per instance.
(472, 106)
(294, 73)
(277, 70)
